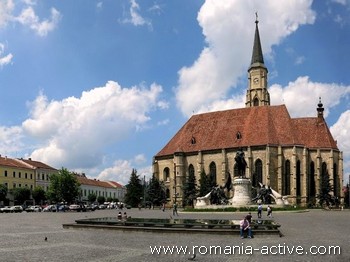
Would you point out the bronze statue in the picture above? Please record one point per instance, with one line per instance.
(241, 163)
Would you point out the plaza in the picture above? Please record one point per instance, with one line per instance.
(23, 238)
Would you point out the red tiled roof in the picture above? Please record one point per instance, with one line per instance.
(36, 164)
(93, 182)
(115, 184)
(6, 161)
(261, 125)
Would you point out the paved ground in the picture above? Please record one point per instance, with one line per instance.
(23, 234)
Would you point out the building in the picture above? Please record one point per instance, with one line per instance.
(42, 172)
(16, 174)
(289, 154)
(107, 189)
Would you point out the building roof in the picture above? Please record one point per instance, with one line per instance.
(115, 184)
(10, 162)
(36, 164)
(251, 126)
(257, 55)
(93, 182)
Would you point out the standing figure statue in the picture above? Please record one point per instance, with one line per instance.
(241, 163)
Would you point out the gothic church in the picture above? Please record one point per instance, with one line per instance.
(289, 154)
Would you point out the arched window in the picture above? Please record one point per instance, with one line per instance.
(212, 174)
(257, 176)
(190, 170)
(335, 180)
(166, 174)
(286, 179)
(298, 179)
(312, 186)
(256, 102)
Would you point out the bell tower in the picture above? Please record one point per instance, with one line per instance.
(257, 94)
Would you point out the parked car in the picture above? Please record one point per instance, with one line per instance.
(33, 209)
(16, 209)
(50, 208)
(5, 209)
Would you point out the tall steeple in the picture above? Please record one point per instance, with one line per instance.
(257, 94)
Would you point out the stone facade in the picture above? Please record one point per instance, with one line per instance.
(288, 154)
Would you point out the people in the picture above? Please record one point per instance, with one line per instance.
(120, 216)
(260, 210)
(175, 209)
(244, 225)
(269, 211)
(163, 207)
(125, 216)
(249, 217)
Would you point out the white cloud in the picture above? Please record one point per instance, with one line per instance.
(29, 18)
(10, 140)
(301, 96)
(136, 18)
(75, 131)
(6, 9)
(225, 59)
(121, 171)
(4, 60)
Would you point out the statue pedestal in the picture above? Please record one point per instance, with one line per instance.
(242, 192)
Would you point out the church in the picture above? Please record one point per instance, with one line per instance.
(291, 155)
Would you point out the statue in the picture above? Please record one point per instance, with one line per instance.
(241, 163)
(265, 194)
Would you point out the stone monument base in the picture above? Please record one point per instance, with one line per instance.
(242, 192)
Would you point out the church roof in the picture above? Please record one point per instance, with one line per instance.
(257, 54)
(251, 126)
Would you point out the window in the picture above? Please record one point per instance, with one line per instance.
(42, 176)
(14, 173)
(212, 174)
(6, 185)
(25, 175)
(257, 176)
(31, 176)
(19, 174)
(166, 174)
(286, 179)
(5, 173)
(14, 185)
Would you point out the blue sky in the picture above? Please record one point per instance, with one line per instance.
(101, 86)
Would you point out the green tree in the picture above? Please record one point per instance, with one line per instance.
(190, 190)
(101, 199)
(325, 197)
(64, 187)
(21, 194)
(3, 192)
(204, 184)
(92, 197)
(155, 192)
(134, 190)
(38, 194)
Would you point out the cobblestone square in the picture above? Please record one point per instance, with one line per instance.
(23, 238)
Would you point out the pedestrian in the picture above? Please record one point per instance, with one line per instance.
(249, 217)
(244, 225)
(120, 216)
(175, 209)
(125, 216)
(163, 207)
(269, 211)
(260, 208)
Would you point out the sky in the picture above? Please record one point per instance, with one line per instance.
(101, 86)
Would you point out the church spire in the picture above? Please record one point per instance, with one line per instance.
(257, 94)
(257, 56)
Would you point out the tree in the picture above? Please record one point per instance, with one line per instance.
(38, 194)
(155, 192)
(92, 197)
(101, 199)
(204, 184)
(134, 191)
(3, 192)
(21, 194)
(324, 197)
(64, 187)
(189, 190)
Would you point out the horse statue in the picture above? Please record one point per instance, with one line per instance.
(241, 163)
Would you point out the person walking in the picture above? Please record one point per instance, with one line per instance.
(175, 209)
(269, 211)
(260, 208)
